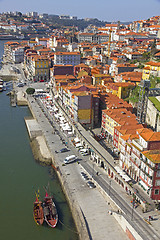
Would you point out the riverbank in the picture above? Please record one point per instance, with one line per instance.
(40, 150)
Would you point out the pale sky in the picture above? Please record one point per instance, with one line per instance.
(108, 10)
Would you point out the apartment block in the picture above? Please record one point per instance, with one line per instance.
(140, 158)
(67, 58)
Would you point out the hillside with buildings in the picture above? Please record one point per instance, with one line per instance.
(95, 74)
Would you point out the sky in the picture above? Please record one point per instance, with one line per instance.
(107, 10)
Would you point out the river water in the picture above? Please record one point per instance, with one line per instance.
(20, 177)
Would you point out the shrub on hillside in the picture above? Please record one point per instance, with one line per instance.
(30, 91)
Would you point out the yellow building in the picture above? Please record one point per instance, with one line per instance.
(151, 68)
(98, 78)
(121, 90)
(116, 117)
(40, 68)
(146, 73)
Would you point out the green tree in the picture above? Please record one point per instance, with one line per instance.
(146, 56)
(30, 91)
(134, 96)
(154, 81)
(141, 66)
(19, 14)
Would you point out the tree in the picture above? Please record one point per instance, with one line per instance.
(146, 56)
(134, 96)
(141, 66)
(19, 14)
(30, 91)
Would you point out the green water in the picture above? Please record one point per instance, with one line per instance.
(20, 177)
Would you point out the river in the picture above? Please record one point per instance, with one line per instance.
(21, 176)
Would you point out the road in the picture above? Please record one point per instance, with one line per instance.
(135, 220)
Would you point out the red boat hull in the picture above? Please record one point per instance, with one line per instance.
(50, 212)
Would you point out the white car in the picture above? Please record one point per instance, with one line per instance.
(84, 151)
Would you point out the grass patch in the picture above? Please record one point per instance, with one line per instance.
(155, 102)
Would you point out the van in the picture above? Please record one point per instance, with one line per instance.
(70, 159)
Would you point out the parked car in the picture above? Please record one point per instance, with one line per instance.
(64, 150)
(91, 184)
(84, 151)
(85, 176)
(82, 173)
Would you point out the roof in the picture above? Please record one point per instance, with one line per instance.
(151, 136)
(120, 115)
(152, 155)
(82, 65)
(153, 63)
(67, 53)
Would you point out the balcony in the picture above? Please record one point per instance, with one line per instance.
(136, 143)
(145, 161)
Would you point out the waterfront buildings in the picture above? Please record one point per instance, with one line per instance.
(140, 158)
(91, 76)
(82, 103)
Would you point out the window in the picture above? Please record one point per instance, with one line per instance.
(156, 192)
(158, 173)
(157, 183)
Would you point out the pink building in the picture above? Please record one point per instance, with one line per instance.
(140, 158)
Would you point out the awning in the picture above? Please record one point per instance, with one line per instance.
(118, 169)
(122, 174)
(76, 140)
(143, 185)
(91, 150)
(61, 118)
(70, 133)
(56, 96)
(55, 109)
(78, 145)
(66, 127)
(57, 115)
(48, 98)
(126, 178)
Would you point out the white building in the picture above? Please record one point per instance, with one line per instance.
(18, 55)
(8, 27)
(72, 46)
(67, 58)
